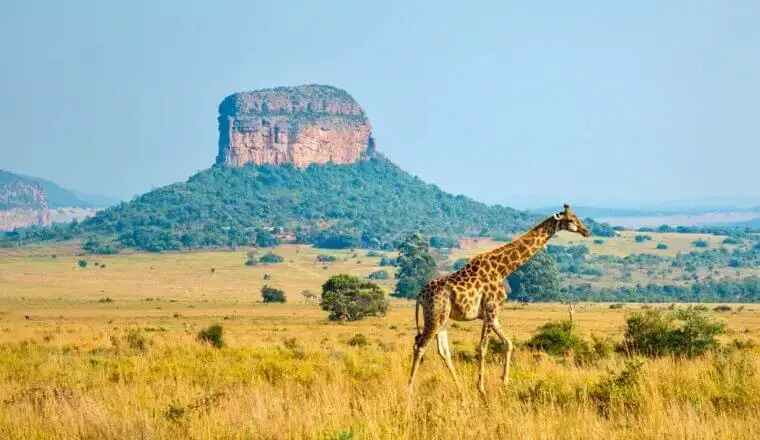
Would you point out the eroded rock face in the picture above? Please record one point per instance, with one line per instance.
(22, 203)
(298, 125)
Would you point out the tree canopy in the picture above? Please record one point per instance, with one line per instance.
(348, 298)
(415, 266)
(537, 280)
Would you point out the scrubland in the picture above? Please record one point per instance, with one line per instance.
(112, 353)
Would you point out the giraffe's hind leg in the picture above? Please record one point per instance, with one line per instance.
(421, 343)
(445, 352)
(436, 310)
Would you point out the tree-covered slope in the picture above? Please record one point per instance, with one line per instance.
(368, 203)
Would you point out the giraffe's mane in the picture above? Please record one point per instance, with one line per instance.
(514, 240)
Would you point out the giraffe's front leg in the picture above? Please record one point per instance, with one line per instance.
(483, 349)
(508, 354)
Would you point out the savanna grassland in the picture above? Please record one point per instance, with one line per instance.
(110, 351)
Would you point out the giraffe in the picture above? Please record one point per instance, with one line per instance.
(476, 291)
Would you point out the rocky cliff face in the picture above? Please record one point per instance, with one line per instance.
(298, 125)
(22, 203)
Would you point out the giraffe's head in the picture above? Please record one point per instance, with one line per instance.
(568, 221)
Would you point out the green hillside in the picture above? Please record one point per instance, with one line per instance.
(369, 203)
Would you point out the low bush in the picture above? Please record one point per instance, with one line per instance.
(388, 261)
(272, 295)
(358, 340)
(557, 338)
(460, 263)
(684, 333)
(322, 258)
(271, 257)
(379, 275)
(213, 335)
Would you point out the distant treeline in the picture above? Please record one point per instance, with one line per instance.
(745, 290)
(735, 231)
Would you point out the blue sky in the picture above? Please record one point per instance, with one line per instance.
(529, 103)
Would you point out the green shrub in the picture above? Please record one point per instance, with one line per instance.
(374, 254)
(557, 338)
(616, 306)
(642, 238)
(388, 261)
(598, 241)
(325, 258)
(732, 240)
(358, 340)
(700, 243)
(662, 246)
(379, 275)
(213, 335)
(271, 257)
(82, 263)
(722, 308)
(683, 333)
(272, 295)
(443, 242)
(460, 263)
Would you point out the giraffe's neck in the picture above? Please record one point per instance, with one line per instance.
(506, 259)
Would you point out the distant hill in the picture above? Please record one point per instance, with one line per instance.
(61, 197)
(601, 212)
(19, 192)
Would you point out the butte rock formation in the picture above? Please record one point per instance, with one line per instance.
(298, 125)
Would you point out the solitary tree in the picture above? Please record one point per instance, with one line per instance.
(415, 266)
(537, 280)
(270, 295)
(349, 298)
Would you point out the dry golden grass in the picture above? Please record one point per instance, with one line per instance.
(133, 368)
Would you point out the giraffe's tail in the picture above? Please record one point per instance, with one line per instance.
(417, 321)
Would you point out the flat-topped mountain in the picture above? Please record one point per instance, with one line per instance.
(294, 163)
(310, 124)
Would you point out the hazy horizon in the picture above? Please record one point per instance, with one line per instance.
(591, 104)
